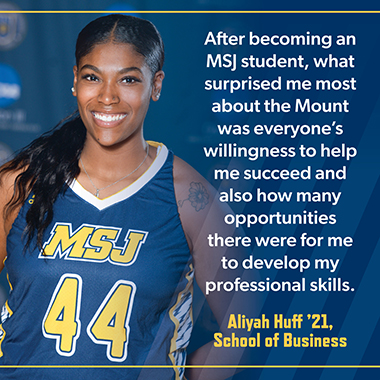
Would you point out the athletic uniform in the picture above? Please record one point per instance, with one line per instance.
(112, 287)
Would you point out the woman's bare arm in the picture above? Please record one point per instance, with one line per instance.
(203, 214)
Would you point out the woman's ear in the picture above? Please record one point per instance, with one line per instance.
(157, 85)
(74, 88)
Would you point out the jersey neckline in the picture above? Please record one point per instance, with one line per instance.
(101, 204)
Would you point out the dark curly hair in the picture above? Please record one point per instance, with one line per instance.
(50, 163)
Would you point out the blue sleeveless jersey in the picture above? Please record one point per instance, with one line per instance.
(111, 290)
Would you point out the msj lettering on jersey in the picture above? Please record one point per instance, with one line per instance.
(92, 243)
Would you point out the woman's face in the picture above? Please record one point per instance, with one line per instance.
(113, 86)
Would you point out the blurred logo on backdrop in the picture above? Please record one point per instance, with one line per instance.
(10, 91)
(10, 85)
(15, 120)
(13, 26)
(5, 153)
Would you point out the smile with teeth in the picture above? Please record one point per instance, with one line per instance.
(108, 117)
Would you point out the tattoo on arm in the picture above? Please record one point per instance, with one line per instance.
(198, 196)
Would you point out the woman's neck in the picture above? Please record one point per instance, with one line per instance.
(107, 170)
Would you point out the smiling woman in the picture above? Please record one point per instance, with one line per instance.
(113, 86)
(101, 241)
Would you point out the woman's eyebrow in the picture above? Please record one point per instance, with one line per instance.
(122, 71)
(91, 67)
(127, 69)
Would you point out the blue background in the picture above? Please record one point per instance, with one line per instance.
(183, 120)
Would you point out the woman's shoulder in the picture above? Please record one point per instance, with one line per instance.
(7, 181)
(191, 186)
(184, 175)
(195, 198)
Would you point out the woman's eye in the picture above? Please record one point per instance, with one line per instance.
(129, 80)
(90, 77)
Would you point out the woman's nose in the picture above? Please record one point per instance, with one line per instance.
(108, 94)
